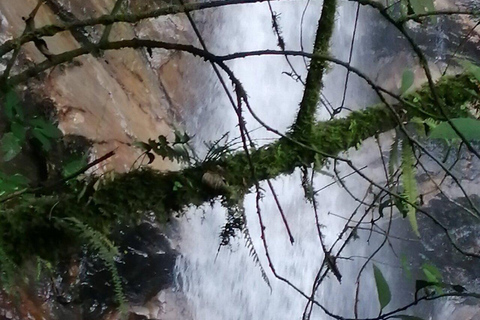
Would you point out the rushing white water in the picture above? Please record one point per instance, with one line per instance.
(230, 285)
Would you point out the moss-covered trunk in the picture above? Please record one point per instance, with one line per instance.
(32, 224)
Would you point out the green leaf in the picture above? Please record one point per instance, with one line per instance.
(400, 204)
(12, 183)
(11, 146)
(472, 68)
(74, 165)
(38, 134)
(177, 185)
(418, 6)
(19, 131)
(433, 275)
(468, 127)
(403, 7)
(407, 80)
(384, 295)
(431, 272)
(393, 157)
(48, 129)
(13, 107)
(423, 6)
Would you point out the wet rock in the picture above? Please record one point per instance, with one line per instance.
(146, 266)
(464, 230)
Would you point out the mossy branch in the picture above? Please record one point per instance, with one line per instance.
(28, 223)
(303, 125)
(108, 19)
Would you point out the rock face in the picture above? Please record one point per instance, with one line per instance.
(83, 289)
(113, 99)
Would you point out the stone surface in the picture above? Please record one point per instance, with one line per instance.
(114, 99)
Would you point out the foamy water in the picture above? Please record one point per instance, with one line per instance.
(230, 285)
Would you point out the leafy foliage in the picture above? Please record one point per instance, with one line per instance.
(178, 150)
(106, 251)
(236, 221)
(383, 290)
(468, 127)
(472, 68)
(74, 164)
(408, 188)
(407, 80)
(410, 7)
(24, 128)
(11, 183)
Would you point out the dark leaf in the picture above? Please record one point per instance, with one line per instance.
(48, 129)
(421, 284)
(181, 138)
(74, 165)
(468, 127)
(400, 205)
(458, 288)
(13, 107)
(162, 141)
(19, 131)
(12, 183)
(151, 157)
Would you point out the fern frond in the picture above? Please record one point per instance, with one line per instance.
(409, 183)
(393, 156)
(254, 255)
(251, 247)
(237, 221)
(106, 251)
(431, 123)
(215, 150)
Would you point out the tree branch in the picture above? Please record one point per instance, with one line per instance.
(313, 84)
(28, 222)
(51, 30)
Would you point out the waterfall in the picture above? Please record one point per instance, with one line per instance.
(228, 284)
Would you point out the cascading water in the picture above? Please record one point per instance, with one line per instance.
(227, 284)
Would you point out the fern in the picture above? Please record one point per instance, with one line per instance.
(409, 183)
(106, 251)
(393, 157)
(217, 151)
(251, 247)
(237, 220)
(254, 255)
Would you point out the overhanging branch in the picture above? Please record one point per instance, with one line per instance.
(31, 222)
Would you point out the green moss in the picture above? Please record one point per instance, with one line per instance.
(29, 224)
(303, 125)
